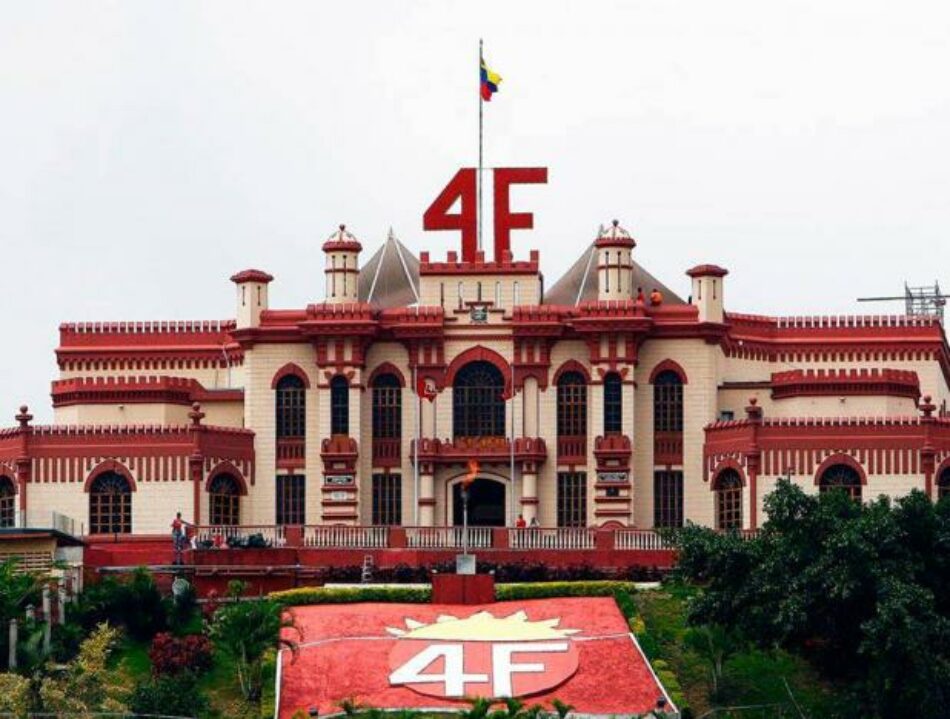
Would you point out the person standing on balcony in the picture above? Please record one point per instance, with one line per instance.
(535, 524)
(520, 523)
(178, 538)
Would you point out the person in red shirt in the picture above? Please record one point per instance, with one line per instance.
(178, 537)
(520, 523)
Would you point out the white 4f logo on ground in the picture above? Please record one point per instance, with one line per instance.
(482, 655)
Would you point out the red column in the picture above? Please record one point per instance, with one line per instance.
(927, 451)
(196, 460)
(23, 462)
(195, 463)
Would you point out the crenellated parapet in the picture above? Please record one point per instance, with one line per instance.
(147, 345)
(841, 382)
(141, 389)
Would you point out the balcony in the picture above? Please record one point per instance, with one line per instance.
(387, 452)
(485, 449)
(572, 449)
(290, 452)
(668, 448)
(612, 452)
(339, 454)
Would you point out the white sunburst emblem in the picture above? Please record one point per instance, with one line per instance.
(482, 655)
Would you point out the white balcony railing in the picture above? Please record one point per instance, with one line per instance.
(346, 537)
(447, 537)
(639, 539)
(219, 535)
(552, 538)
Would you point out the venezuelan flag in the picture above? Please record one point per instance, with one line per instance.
(490, 82)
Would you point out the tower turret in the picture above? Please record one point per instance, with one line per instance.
(708, 290)
(342, 251)
(251, 296)
(614, 263)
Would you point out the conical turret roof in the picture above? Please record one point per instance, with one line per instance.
(579, 283)
(391, 276)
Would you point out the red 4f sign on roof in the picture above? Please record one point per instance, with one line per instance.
(463, 187)
(482, 655)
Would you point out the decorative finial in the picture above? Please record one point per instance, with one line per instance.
(615, 222)
(196, 415)
(342, 228)
(391, 235)
(24, 417)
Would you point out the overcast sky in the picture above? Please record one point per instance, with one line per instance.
(150, 149)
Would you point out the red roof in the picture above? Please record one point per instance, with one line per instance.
(707, 271)
(251, 275)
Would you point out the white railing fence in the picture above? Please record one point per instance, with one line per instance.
(552, 538)
(217, 535)
(346, 537)
(447, 537)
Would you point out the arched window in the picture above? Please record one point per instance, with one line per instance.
(339, 405)
(110, 505)
(943, 484)
(613, 404)
(387, 407)
(7, 502)
(478, 408)
(571, 405)
(668, 402)
(729, 500)
(225, 504)
(290, 407)
(841, 476)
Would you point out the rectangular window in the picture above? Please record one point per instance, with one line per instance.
(667, 499)
(291, 499)
(571, 499)
(387, 499)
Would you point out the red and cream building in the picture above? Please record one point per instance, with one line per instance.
(604, 399)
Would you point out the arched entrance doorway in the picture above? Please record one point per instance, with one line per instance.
(486, 503)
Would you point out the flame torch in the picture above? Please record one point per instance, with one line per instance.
(466, 483)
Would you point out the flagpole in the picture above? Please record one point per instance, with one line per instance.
(480, 102)
(415, 445)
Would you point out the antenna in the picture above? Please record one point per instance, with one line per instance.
(923, 301)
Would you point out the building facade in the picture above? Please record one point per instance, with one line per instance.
(604, 400)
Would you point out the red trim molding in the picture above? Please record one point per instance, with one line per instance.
(387, 368)
(571, 366)
(229, 469)
(816, 383)
(668, 365)
(723, 466)
(109, 465)
(290, 369)
(478, 354)
(844, 459)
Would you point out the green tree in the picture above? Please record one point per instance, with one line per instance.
(245, 631)
(863, 591)
(17, 589)
(87, 684)
(715, 644)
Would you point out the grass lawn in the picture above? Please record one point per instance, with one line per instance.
(751, 677)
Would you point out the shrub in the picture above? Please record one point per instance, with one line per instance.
(174, 655)
(135, 604)
(347, 595)
(176, 695)
(544, 590)
(421, 595)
